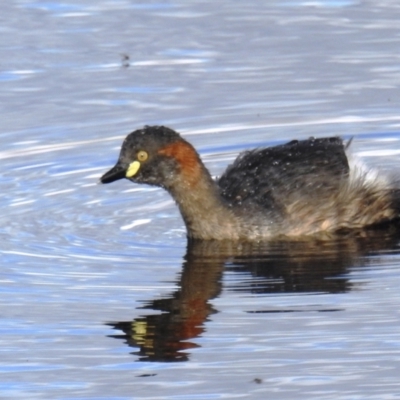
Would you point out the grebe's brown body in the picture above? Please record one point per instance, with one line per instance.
(299, 188)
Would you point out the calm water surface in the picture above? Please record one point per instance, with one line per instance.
(101, 297)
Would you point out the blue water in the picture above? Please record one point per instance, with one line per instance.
(100, 296)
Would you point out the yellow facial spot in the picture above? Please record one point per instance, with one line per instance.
(132, 169)
(142, 156)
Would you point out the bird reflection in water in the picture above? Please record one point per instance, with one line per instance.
(308, 266)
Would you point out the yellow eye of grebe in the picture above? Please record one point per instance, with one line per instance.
(142, 155)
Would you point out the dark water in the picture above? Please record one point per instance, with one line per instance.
(101, 296)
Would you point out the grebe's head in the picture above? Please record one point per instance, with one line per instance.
(155, 155)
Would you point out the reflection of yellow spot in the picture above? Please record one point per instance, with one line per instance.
(132, 169)
(139, 330)
(140, 327)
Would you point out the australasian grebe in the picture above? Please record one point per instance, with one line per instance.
(299, 188)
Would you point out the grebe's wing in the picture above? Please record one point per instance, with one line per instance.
(277, 176)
